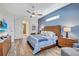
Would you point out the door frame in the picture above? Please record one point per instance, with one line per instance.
(27, 27)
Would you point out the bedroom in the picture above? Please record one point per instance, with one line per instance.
(24, 22)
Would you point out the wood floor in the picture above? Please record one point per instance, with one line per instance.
(21, 48)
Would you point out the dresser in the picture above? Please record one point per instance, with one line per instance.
(5, 46)
(65, 42)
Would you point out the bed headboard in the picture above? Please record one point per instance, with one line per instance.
(56, 29)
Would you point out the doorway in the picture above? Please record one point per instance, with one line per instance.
(25, 28)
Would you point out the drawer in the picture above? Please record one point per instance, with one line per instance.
(1, 51)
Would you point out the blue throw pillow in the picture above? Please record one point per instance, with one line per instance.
(41, 40)
(77, 46)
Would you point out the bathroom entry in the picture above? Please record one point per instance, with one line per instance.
(25, 28)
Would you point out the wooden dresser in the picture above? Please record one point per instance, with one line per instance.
(65, 42)
(5, 46)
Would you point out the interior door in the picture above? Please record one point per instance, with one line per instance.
(24, 28)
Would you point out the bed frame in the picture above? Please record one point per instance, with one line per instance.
(56, 29)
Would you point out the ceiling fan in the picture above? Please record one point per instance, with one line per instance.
(33, 13)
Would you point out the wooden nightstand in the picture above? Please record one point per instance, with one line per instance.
(65, 42)
(5, 46)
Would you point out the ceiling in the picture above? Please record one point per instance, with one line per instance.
(19, 9)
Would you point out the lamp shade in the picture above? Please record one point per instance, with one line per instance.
(41, 28)
(67, 29)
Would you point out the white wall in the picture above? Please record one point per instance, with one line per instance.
(34, 21)
(1, 12)
(10, 31)
(18, 26)
(15, 25)
(10, 20)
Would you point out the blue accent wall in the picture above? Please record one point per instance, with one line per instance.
(69, 16)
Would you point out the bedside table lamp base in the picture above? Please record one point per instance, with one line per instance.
(67, 29)
(66, 34)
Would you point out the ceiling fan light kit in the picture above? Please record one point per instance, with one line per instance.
(33, 13)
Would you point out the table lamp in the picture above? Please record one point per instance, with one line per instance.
(67, 29)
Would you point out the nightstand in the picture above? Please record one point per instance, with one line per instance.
(65, 42)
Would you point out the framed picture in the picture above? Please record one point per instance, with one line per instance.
(33, 27)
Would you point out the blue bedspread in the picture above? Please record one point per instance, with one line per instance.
(38, 42)
(40, 38)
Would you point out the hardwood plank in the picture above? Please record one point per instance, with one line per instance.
(21, 48)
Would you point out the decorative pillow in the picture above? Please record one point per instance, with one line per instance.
(48, 34)
(3, 35)
(43, 33)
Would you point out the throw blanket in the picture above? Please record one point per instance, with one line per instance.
(40, 38)
(38, 42)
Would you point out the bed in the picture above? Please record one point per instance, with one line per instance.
(46, 38)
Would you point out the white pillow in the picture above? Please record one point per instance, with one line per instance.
(48, 34)
(43, 33)
(4, 34)
(51, 33)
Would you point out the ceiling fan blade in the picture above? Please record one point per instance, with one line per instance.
(28, 11)
(33, 7)
(39, 14)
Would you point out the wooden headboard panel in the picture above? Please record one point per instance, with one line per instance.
(56, 29)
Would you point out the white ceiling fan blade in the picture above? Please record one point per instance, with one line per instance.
(39, 14)
(33, 13)
(28, 11)
(33, 7)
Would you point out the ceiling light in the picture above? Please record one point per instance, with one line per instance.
(53, 18)
(33, 14)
